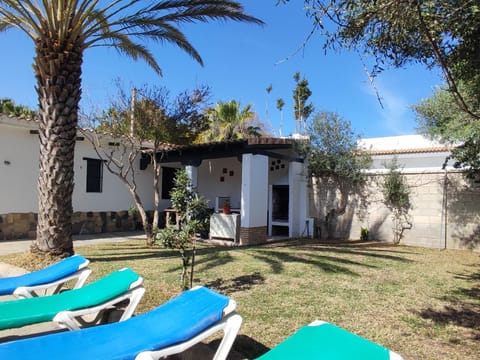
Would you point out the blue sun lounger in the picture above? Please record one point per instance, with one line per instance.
(68, 309)
(169, 329)
(321, 340)
(51, 278)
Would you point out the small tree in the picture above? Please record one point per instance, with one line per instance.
(193, 212)
(280, 105)
(139, 127)
(396, 194)
(301, 110)
(336, 164)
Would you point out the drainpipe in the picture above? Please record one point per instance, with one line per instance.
(445, 209)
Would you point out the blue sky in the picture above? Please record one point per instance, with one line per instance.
(240, 62)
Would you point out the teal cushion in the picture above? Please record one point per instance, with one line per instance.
(327, 342)
(21, 312)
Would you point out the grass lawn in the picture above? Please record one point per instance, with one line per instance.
(422, 303)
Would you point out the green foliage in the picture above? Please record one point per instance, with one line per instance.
(440, 117)
(364, 234)
(7, 106)
(280, 104)
(301, 110)
(333, 149)
(229, 121)
(194, 217)
(158, 116)
(396, 194)
(439, 33)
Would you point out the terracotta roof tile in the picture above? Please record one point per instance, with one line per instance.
(411, 151)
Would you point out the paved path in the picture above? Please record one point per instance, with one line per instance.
(18, 246)
(15, 246)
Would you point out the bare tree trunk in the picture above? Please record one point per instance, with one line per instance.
(192, 266)
(156, 189)
(147, 227)
(58, 75)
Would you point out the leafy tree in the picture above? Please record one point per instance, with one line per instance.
(439, 33)
(267, 113)
(61, 32)
(228, 121)
(7, 106)
(333, 148)
(139, 126)
(192, 210)
(336, 164)
(396, 194)
(301, 110)
(439, 117)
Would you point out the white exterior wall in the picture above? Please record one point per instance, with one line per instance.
(18, 179)
(210, 186)
(432, 161)
(115, 195)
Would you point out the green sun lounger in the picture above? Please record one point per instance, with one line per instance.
(68, 308)
(321, 340)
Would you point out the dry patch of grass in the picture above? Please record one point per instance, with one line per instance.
(422, 303)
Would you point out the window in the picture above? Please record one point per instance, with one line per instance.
(94, 175)
(168, 177)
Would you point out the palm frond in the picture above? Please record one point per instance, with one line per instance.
(128, 25)
(136, 51)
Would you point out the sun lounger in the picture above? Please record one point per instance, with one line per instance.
(51, 277)
(321, 340)
(68, 309)
(169, 329)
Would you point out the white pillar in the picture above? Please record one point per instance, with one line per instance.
(254, 204)
(297, 179)
(192, 172)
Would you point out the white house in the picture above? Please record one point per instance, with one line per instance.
(264, 180)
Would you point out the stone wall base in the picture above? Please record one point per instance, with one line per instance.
(253, 235)
(23, 225)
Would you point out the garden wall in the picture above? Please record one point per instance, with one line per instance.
(445, 211)
(23, 225)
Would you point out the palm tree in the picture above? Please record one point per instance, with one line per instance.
(230, 122)
(61, 31)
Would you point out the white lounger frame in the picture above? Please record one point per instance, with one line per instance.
(40, 290)
(73, 320)
(230, 325)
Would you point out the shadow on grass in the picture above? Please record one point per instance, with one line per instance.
(463, 308)
(244, 345)
(277, 261)
(320, 255)
(239, 283)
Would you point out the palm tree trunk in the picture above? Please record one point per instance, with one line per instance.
(58, 75)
